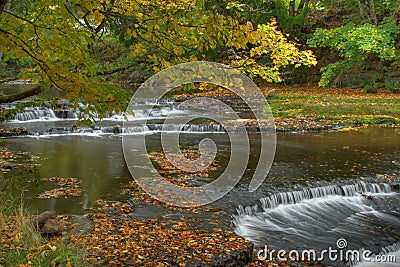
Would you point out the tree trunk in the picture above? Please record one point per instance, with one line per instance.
(372, 12)
(2, 5)
(395, 12)
(292, 8)
(361, 8)
(302, 5)
(7, 6)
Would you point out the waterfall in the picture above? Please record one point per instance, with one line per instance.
(36, 113)
(146, 117)
(46, 114)
(294, 197)
(194, 128)
(65, 110)
(366, 214)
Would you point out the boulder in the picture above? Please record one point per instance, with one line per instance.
(136, 78)
(51, 227)
(41, 219)
(17, 131)
(271, 93)
(47, 224)
(117, 129)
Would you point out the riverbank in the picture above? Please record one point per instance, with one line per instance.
(21, 244)
(109, 234)
(303, 109)
(294, 109)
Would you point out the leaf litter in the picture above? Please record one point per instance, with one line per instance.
(68, 187)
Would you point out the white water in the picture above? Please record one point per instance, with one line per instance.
(382, 259)
(45, 121)
(366, 214)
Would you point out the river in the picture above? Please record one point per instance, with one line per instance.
(322, 186)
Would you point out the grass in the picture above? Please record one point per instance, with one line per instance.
(337, 104)
(334, 104)
(20, 243)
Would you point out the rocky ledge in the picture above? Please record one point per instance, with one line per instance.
(17, 131)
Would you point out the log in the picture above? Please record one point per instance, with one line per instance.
(21, 95)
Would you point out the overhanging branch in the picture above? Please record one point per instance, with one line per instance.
(108, 72)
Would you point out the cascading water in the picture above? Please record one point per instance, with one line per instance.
(36, 113)
(57, 120)
(45, 113)
(366, 215)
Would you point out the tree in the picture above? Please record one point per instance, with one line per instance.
(371, 31)
(56, 39)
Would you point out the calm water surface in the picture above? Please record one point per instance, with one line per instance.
(300, 159)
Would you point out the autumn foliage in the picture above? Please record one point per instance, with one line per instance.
(57, 40)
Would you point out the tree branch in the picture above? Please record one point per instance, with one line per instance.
(104, 20)
(73, 15)
(22, 95)
(6, 80)
(26, 20)
(108, 72)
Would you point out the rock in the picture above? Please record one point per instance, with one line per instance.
(47, 105)
(371, 90)
(367, 196)
(117, 129)
(52, 227)
(47, 224)
(41, 219)
(64, 104)
(18, 131)
(9, 166)
(136, 78)
(396, 187)
(252, 128)
(271, 93)
(392, 81)
(137, 74)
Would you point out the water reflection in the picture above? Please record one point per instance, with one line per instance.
(300, 158)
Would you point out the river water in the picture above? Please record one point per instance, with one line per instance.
(321, 187)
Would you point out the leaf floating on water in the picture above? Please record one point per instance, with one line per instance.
(68, 187)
